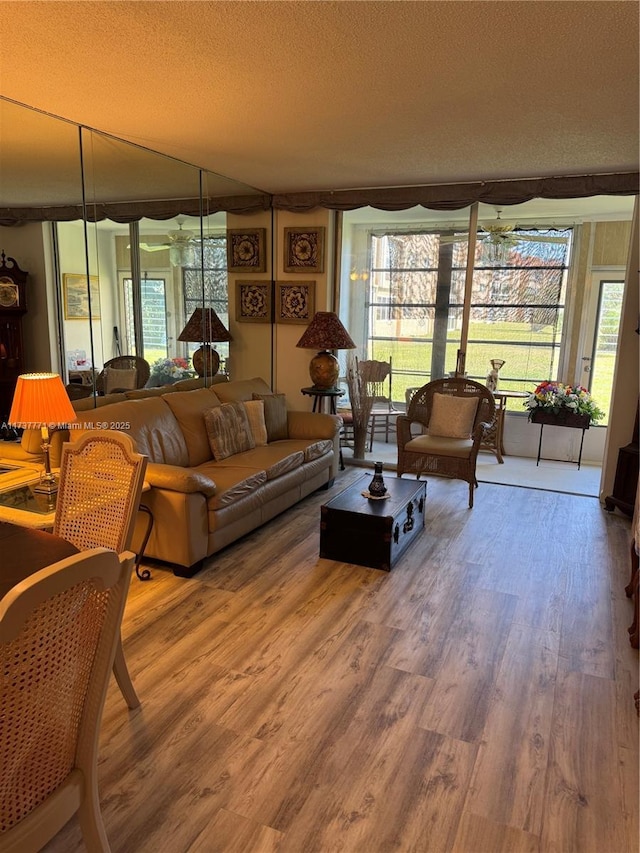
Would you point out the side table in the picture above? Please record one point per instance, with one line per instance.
(320, 395)
(494, 438)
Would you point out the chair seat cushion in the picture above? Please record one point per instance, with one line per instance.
(440, 446)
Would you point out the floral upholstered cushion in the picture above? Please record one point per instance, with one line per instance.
(452, 417)
(228, 430)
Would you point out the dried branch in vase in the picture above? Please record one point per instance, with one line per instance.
(361, 405)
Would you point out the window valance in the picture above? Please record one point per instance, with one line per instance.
(133, 211)
(456, 196)
(433, 196)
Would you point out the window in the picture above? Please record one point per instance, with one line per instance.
(415, 299)
(154, 316)
(212, 292)
(605, 342)
(517, 308)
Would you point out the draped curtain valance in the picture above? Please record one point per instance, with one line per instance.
(456, 196)
(434, 196)
(134, 211)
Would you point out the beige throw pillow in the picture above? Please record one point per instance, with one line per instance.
(275, 415)
(452, 417)
(257, 425)
(119, 380)
(228, 430)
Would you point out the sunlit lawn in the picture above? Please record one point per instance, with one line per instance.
(412, 360)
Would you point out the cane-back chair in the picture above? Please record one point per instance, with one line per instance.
(101, 478)
(59, 629)
(443, 430)
(119, 367)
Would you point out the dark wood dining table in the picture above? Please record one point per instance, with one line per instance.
(24, 551)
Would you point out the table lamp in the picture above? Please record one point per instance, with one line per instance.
(325, 332)
(205, 325)
(40, 401)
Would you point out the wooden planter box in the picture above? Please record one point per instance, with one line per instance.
(563, 419)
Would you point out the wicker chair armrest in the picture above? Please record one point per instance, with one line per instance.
(403, 429)
(480, 430)
(177, 479)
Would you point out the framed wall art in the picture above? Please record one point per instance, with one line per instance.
(76, 297)
(246, 249)
(304, 250)
(295, 301)
(254, 303)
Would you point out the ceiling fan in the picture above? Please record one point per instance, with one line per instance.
(500, 235)
(178, 242)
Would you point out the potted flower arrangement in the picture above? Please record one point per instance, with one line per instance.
(562, 405)
(166, 371)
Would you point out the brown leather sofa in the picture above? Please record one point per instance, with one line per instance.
(201, 504)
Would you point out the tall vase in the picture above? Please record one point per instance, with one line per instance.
(377, 488)
(492, 376)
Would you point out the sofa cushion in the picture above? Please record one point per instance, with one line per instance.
(141, 393)
(228, 430)
(86, 403)
(275, 415)
(200, 382)
(232, 483)
(276, 459)
(241, 389)
(119, 380)
(150, 423)
(452, 417)
(255, 413)
(189, 407)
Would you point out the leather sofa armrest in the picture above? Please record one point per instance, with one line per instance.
(177, 479)
(312, 425)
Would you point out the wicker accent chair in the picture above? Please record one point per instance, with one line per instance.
(101, 479)
(377, 378)
(451, 431)
(125, 362)
(59, 630)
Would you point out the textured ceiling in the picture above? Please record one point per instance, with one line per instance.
(293, 96)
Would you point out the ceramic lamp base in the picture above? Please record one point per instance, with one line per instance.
(324, 370)
(206, 361)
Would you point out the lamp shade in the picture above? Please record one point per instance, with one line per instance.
(204, 325)
(40, 399)
(325, 332)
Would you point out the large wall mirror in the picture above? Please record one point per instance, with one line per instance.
(124, 247)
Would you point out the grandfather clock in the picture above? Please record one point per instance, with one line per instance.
(13, 305)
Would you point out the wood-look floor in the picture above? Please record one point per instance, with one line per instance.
(478, 698)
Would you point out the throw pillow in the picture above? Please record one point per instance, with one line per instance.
(452, 417)
(228, 430)
(257, 425)
(119, 380)
(275, 415)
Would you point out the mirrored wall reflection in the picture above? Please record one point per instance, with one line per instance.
(136, 266)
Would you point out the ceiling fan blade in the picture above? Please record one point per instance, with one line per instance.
(463, 238)
(543, 238)
(154, 247)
